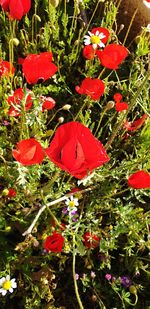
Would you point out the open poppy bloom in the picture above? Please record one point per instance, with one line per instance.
(38, 66)
(120, 106)
(89, 52)
(47, 103)
(28, 152)
(112, 55)
(15, 100)
(75, 150)
(97, 37)
(94, 88)
(6, 68)
(136, 124)
(16, 8)
(139, 180)
(54, 243)
(91, 240)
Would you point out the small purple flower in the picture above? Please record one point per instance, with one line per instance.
(65, 211)
(125, 281)
(77, 276)
(93, 274)
(6, 123)
(108, 277)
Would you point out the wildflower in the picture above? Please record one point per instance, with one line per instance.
(97, 37)
(94, 88)
(147, 3)
(120, 106)
(108, 277)
(148, 28)
(77, 276)
(71, 205)
(54, 243)
(91, 240)
(6, 68)
(89, 52)
(28, 152)
(139, 180)
(9, 192)
(15, 8)
(126, 281)
(136, 124)
(7, 285)
(70, 150)
(93, 275)
(15, 100)
(38, 66)
(47, 103)
(112, 56)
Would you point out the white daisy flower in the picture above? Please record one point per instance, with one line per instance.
(147, 3)
(7, 285)
(148, 28)
(94, 39)
(72, 203)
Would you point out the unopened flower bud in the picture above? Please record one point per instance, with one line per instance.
(94, 298)
(133, 289)
(5, 192)
(37, 17)
(66, 107)
(54, 3)
(15, 41)
(121, 27)
(110, 104)
(61, 119)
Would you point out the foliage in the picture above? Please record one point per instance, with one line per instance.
(108, 207)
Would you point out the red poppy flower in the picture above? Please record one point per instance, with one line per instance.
(47, 103)
(139, 180)
(15, 100)
(136, 124)
(120, 106)
(91, 240)
(89, 52)
(16, 8)
(28, 152)
(38, 66)
(75, 150)
(94, 88)
(6, 68)
(54, 243)
(112, 55)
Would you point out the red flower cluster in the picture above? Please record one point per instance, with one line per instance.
(15, 100)
(6, 68)
(16, 8)
(28, 152)
(112, 55)
(47, 103)
(120, 106)
(54, 243)
(75, 150)
(94, 88)
(9, 192)
(136, 124)
(91, 240)
(38, 66)
(139, 180)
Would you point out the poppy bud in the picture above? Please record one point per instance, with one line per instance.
(110, 104)
(37, 17)
(94, 298)
(15, 41)
(133, 289)
(61, 119)
(54, 3)
(66, 107)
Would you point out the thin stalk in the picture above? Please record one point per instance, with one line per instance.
(74, 275)
(130, 25)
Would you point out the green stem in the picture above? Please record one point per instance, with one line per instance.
(120, 123)
(74, 275)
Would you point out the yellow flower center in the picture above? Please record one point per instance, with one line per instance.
(95, 39)
(6, 285)
(71, 203)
